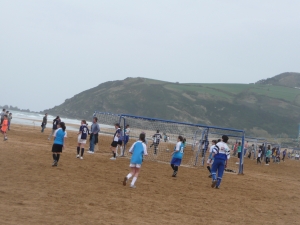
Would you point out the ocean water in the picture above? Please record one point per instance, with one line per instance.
(35, 119)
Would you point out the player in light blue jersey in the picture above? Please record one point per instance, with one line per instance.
(59, 142)
(221, 153)
(138, 150)
(177, 155)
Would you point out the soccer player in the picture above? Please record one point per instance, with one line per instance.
(221, 154)
(114, 144)
(239, 152)
(205, 144)
(210, 159)
(59, 142)
(120, 142)
(156, 140)
(4, 126)
(138, 150)
(177, 155)
(284, 154)
(268, 155)
(82, 136)
(56, 121)
(127, 133)
(259, 155)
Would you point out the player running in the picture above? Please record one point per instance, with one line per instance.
(82, 136)
(177, 155)
(221, 154)
(138, 150)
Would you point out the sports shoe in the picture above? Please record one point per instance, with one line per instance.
(5, 139)
(112, 158)
(81, 157)
(237, 163)
(174, 174)
(54, 163)
(266, 164)
(213, 184)
(90, 152)
(77, 156)
(217, 187)
(132, 186)
(125, 181)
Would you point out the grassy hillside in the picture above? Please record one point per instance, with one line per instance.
(274, 109)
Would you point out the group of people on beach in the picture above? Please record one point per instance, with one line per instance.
(6, 118)
(219, 152)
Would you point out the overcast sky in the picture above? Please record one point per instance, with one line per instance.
(52, 50)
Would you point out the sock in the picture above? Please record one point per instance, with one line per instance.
(114, 155)
(208, 167)
(176, 168)
(133, 181)
(78, 149)
(54, 156)
(129, 176)
(57, 157)
(172, 165)
(82, 151)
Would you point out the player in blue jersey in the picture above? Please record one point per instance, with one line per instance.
(59, 142)
(115, 142)
(82, 137)
(177, 155)
(221, 153)
(138, 150)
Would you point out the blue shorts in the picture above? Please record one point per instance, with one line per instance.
(176, 161)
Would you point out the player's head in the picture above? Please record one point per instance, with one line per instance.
(142, 137)
(127, 125)
(225, 138)
(83, 121)
(219, 140)
(180, 138)
(214, 141)
(240, 143)
(157, 131)
(95, 119)
(62, 125)
(117, 125)
(5, 116)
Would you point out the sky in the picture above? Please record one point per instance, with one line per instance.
(52, 50)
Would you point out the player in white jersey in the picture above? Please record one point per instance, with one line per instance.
(221, 154)
(210, 159)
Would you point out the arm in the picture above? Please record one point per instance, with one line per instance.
(131, 149)
(145, 149)
(177, 148)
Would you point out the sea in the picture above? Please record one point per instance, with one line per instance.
(35, 119)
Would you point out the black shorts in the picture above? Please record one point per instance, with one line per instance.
(120, 142)
(57, 148)
(114, 144)
(239, 155)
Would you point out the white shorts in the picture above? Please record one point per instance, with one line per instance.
(81, 141)
(135, 165)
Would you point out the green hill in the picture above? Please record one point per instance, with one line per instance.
(261, 109)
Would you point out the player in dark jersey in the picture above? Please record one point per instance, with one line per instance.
(115, 142)
(156, 139)
(82, 137)
(56, 121)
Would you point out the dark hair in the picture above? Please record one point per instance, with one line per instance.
(219, 140)
(127, 125)
(63, 126)
(5, 116)
(240, 143)
(184, 140)
(269, 147)
(84, 121)
(157, 131)
(96, 119)
(225, 138)
(118, 125)
(142, 137)
(180, 138)
(214, 141)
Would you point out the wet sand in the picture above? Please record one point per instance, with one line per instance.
(90, 191)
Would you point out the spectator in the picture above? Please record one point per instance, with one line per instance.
(9, 120)
(2, 114)
(95, 129)
(284, 154)
(44, 123)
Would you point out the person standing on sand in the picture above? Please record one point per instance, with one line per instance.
(59, 142)
(56, 121)
(284, 154)
(9, 120)
(44, 123)
(82, 136)
(4, 126)
(2, 114)
(95, 129)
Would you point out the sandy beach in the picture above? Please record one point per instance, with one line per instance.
(90, 191)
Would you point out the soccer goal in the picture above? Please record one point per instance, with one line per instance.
(161, 137)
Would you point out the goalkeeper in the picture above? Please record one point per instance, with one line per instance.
(221, 153)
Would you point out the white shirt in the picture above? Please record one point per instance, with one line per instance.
(178, 145)
(54, 135)
(211, 148)
(223, 149)
(144, 146)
